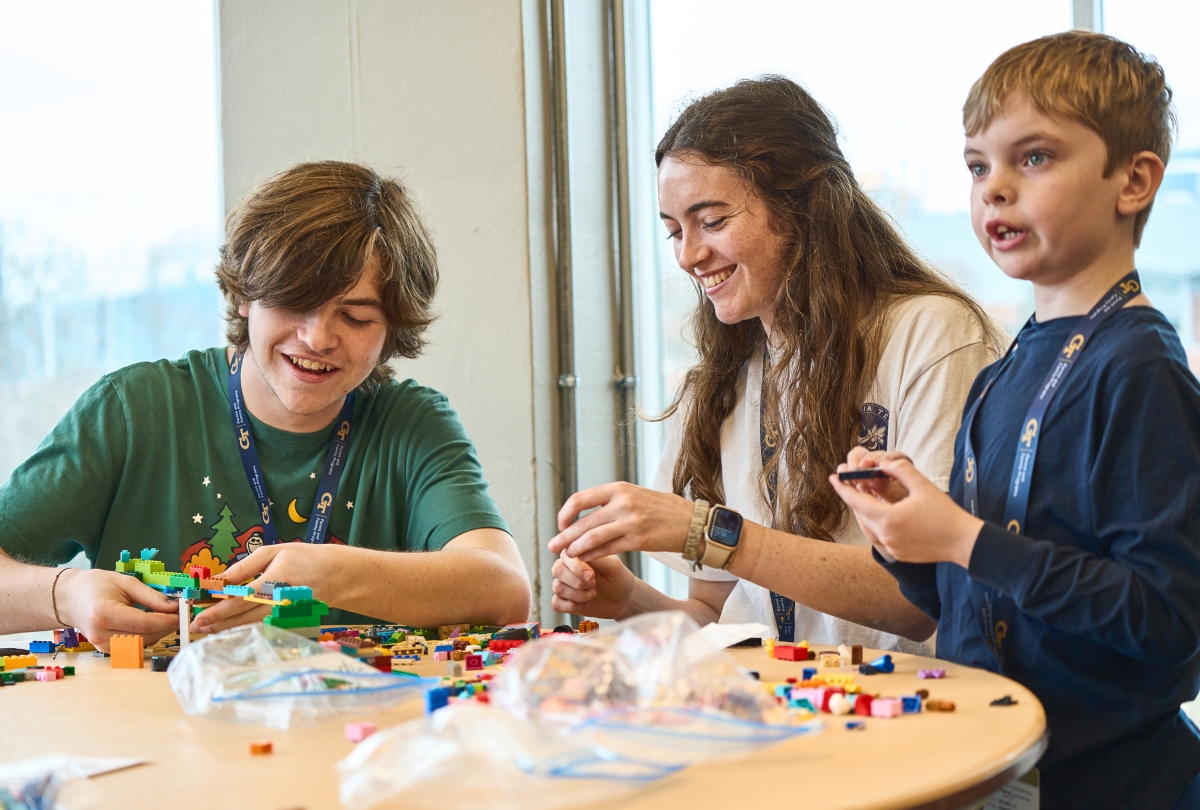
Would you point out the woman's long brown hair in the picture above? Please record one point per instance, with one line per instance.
(841, 257)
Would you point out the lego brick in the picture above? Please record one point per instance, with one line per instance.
(125, 556)
(125, 567)
(209, 584)
(183, 581)
(453, 669)
(259, 747)
(453, 630)
(473, 662)
(884, 664)
(856, 725)
(862, 705)
(910, 704)
(886, 707)
(159, 663)
(126, 652)
(790, 652)
(808, 673)
(436, 698)
(939, 705)
(855, 655)
(293, 622)
(357, 732)
(586, 626)
(504, 645)
(831, 659)
(935, 674)
(160, 579)
(238, 590)
(41, 646)
(200, 572)
(12, 662)
(68, 670)
(295, 593)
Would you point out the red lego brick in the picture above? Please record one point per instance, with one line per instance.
(862, 705)
(789, 652)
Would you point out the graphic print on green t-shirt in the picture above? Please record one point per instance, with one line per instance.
(147, 457)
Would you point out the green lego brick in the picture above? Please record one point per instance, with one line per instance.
(184, 581)
(68, 670)
(125, 567)
(149, 566)
(291, 611)
(197, 608)
(18, 676)
(192, 593)
(159, 578)
(287, 623)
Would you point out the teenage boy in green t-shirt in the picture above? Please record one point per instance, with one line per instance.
(327, 273)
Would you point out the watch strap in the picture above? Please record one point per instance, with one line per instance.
(691, 547)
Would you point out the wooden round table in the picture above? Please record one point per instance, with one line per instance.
(926, 760)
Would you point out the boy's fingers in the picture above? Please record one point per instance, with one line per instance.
(148, 597)
(574, 594)
(854, 456)
(578, 567)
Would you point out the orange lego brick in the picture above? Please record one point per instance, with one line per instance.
(126, 652)
(261, 747)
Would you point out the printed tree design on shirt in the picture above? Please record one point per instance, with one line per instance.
(224, 539)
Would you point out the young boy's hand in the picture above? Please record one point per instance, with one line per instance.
(601, 588)
(923, 526)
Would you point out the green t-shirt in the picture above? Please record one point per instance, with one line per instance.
(147, 457)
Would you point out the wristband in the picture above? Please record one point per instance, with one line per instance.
(691, 547)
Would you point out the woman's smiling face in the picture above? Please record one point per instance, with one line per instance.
(722, 236)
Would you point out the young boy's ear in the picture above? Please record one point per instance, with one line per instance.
(1143, 175)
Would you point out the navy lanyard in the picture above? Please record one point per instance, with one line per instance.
(996, 610)
(335, 462)
(768, 442)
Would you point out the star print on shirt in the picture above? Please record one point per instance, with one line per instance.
(206, 481)
(349, 504)
(218, 494)
(312, 475)
(196, 518)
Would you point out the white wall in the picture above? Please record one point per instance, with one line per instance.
(435, 94)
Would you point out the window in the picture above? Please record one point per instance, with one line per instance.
(109, 203)
(894, 76)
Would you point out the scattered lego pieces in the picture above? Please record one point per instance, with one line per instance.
(931, 673)
(357, 732)
(1007, 700)
(259, 747)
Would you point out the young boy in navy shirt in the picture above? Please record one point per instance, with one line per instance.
(1067, 553)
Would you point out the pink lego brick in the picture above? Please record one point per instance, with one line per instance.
(887, 707)
(357, 732)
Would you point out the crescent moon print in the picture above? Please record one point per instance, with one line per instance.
(294, 515)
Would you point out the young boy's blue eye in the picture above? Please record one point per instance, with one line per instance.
(977, 169)
(1037, 159)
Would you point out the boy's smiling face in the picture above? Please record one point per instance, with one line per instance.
(1040, 203)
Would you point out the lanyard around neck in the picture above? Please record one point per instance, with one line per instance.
(331, 475)
(768, 442)
(995, 610)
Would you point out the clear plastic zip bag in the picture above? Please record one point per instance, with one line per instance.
(577, 719)
(266, 676)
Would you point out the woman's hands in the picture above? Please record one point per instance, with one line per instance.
(626, 518)
(602, 588)
(905, 515)
(299, 563)
(103, 604)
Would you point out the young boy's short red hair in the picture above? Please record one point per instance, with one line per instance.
(1097, 80)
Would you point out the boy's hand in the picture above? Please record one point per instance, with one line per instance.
(601, 588)
(859, 458)
(103, 604)
(925, 526)
(305, 564)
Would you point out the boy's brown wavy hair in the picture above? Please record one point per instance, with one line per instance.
(842, 257)
(305, 236)
(1098, 80)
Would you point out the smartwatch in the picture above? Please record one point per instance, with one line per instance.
(721, 536)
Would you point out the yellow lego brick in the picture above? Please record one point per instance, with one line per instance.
(12, 662)
(262, 600)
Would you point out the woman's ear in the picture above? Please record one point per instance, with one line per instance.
(1143, 176)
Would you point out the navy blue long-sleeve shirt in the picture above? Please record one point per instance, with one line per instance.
(1106, 578)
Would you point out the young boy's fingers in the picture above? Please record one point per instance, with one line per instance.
(575, 573)
(566, 606)
(580, 595)
(902, 470)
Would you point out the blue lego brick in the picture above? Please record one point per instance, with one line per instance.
(783, 690)
(884, 664)
(808, 673)
(124, 556)
(867, 669)
(855, 725)
(192, 593)
(42, 646)
(238, 590)
(293, 592)
(148, 553)
(444, 648)
(911, 705)
(436, 698)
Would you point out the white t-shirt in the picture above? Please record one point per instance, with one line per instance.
(933, 350)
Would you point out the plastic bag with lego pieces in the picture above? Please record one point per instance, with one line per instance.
(578, 719)
(266, 676)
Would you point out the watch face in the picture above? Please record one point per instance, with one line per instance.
(726, 527)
